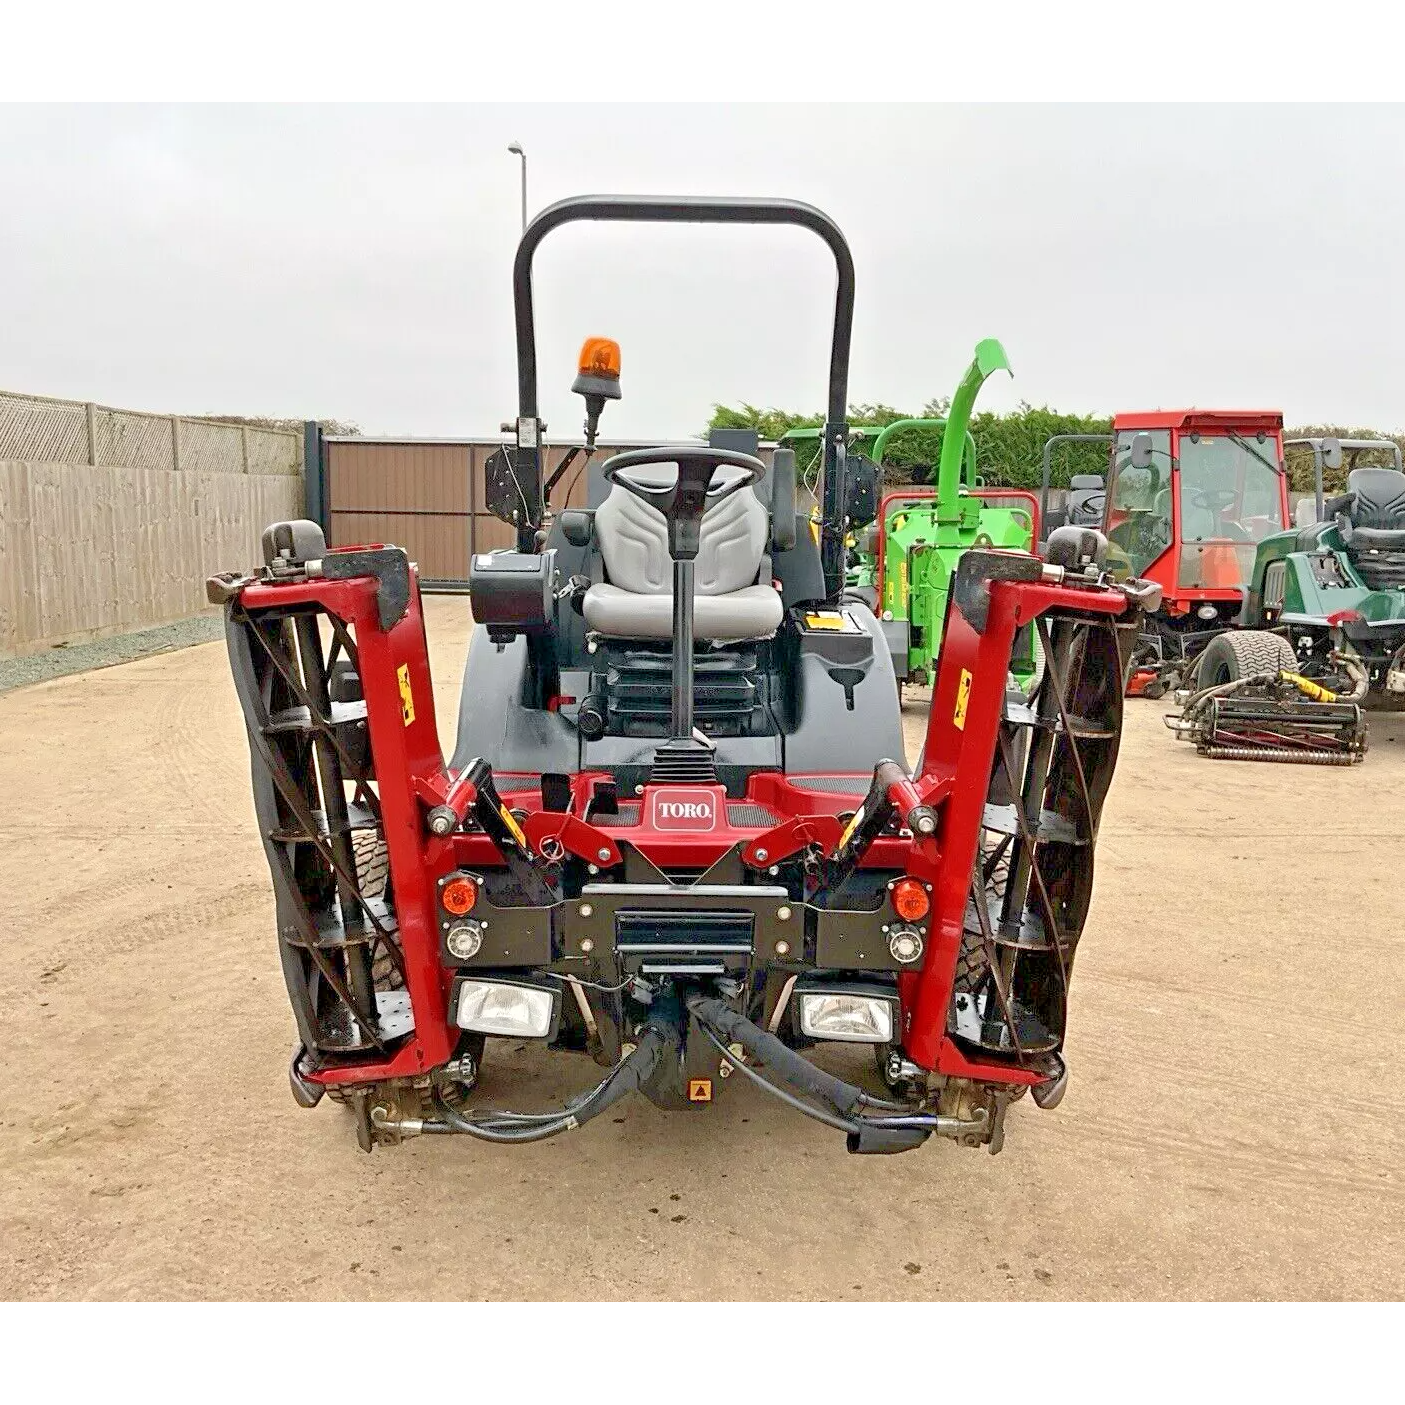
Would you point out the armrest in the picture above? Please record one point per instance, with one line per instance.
(577, 526)
(783, 500)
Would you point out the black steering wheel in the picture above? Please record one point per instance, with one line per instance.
(684, 501)
(1214, 499)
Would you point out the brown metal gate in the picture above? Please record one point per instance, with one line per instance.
(424, 495)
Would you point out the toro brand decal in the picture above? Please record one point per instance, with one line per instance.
(680, 809)
(407, 698)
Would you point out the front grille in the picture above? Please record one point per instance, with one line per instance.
(695, 943)
(682, 766)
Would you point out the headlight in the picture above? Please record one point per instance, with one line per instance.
(507, 1008)
(854, 1016)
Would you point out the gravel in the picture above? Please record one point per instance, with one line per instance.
(103, 653)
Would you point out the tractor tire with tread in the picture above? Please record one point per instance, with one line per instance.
(372, 877)
(1243, 653)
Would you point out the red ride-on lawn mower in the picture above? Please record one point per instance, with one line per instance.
(1186, 507)
(1189, 494)
(677, 833)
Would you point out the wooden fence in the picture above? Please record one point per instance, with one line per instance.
(110, 520)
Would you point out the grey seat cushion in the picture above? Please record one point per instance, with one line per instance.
(637, 601)
(753, 612)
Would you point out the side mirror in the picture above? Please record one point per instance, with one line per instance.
(1141, 450)
(1331, 453)
(598, 380)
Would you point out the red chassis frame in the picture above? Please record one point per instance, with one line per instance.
(962, 730)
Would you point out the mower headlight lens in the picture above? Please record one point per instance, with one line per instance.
(857, 1019)
(500, 1007)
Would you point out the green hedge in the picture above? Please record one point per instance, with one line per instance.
(1009, 448)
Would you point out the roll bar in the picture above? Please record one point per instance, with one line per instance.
(684, 209)
(1316, 445)
(1049, 461)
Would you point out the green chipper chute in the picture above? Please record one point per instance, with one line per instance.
(903, 565)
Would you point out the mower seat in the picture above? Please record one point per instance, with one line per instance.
(731, 600)
(1374, 500)
(1086, 496)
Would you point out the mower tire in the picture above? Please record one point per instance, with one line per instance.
(372, 862)
(372, 876)
(1242, 653)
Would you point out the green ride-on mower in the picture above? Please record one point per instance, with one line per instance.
(1322, 630)
(678, 835)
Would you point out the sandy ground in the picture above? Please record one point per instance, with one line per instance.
(1233, 1128)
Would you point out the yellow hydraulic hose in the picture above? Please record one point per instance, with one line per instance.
(1306, 686)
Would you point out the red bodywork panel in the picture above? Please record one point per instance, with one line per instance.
(682, 826)
(1222, 565)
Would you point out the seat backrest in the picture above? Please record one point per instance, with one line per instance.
(633, 538)
(1376, 498)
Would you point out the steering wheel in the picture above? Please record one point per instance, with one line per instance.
(684, 501)
(1214, 499)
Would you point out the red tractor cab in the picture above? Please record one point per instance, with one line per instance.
(1190, 494)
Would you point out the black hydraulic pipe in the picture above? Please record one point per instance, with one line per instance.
(628, 1077)
(797, 1071)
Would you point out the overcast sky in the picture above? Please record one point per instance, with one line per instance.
(355, 262)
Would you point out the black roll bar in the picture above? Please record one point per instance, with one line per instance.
(1049, 459)
(685, 209)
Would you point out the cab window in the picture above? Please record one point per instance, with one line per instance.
(1139, 501)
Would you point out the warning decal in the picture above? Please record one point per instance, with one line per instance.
(407, 698)
(700, 1090)
(963, 696)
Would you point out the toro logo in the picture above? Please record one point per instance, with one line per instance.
(680, 809)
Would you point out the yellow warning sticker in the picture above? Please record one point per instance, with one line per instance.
(513, 828)
(824, 619)
(851, 827)
(407, 698)
(700, 1090)
(963, 696)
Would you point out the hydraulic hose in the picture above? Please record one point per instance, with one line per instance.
(900, 1130)
(800, 1073)
(628, 1076)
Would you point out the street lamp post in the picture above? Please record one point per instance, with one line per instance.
(516, 149)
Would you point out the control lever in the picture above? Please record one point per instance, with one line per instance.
(500, 825)
(891, 794)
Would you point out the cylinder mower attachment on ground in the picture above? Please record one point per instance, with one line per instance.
(676, 833)
(1251, 704)
(1323, 632)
